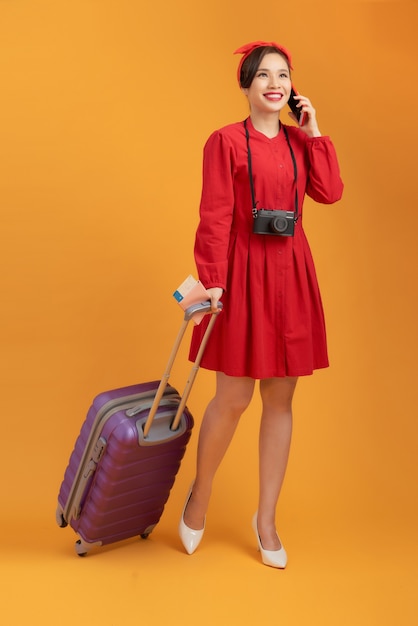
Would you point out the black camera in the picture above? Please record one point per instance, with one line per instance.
(274, 222)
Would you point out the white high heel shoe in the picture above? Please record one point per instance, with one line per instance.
(190, 538)
(273, 558)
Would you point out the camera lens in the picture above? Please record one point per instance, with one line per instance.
(279, 224)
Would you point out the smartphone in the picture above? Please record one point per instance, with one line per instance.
(301, 115)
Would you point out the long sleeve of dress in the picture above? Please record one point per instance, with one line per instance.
(324, 183)
(216, 211)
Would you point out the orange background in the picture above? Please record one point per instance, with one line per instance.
(105, 107)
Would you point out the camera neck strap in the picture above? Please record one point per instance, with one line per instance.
(250, 170)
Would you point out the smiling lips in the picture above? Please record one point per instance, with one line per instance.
(273, 96)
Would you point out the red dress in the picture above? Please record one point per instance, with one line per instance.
(272, 324)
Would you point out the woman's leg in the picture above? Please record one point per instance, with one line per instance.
(274, 446)
(220, 420)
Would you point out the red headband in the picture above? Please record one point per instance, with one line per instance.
(249, 47)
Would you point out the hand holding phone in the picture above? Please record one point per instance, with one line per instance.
(295, 108)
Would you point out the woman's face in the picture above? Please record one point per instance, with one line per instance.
(271, 86)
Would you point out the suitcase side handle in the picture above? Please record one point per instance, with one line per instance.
(188, 315)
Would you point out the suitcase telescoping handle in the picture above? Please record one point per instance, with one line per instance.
(202, 307)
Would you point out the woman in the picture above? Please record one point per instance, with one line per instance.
(272, 324)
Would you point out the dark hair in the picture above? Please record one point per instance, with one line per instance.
(252, 63)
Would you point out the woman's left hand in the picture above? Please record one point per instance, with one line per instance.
(310, 127)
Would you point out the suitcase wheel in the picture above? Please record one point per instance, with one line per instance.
(147, 531)
(60, 518)
(80, 548)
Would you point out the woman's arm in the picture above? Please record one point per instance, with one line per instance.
(324, 180)
(216, 211)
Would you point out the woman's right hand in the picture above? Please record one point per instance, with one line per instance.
(215, 294)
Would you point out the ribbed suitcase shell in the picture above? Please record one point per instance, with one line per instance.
(131, 477)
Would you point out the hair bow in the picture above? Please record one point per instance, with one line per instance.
(249, 47)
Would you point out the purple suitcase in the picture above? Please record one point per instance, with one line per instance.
(127, 455)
